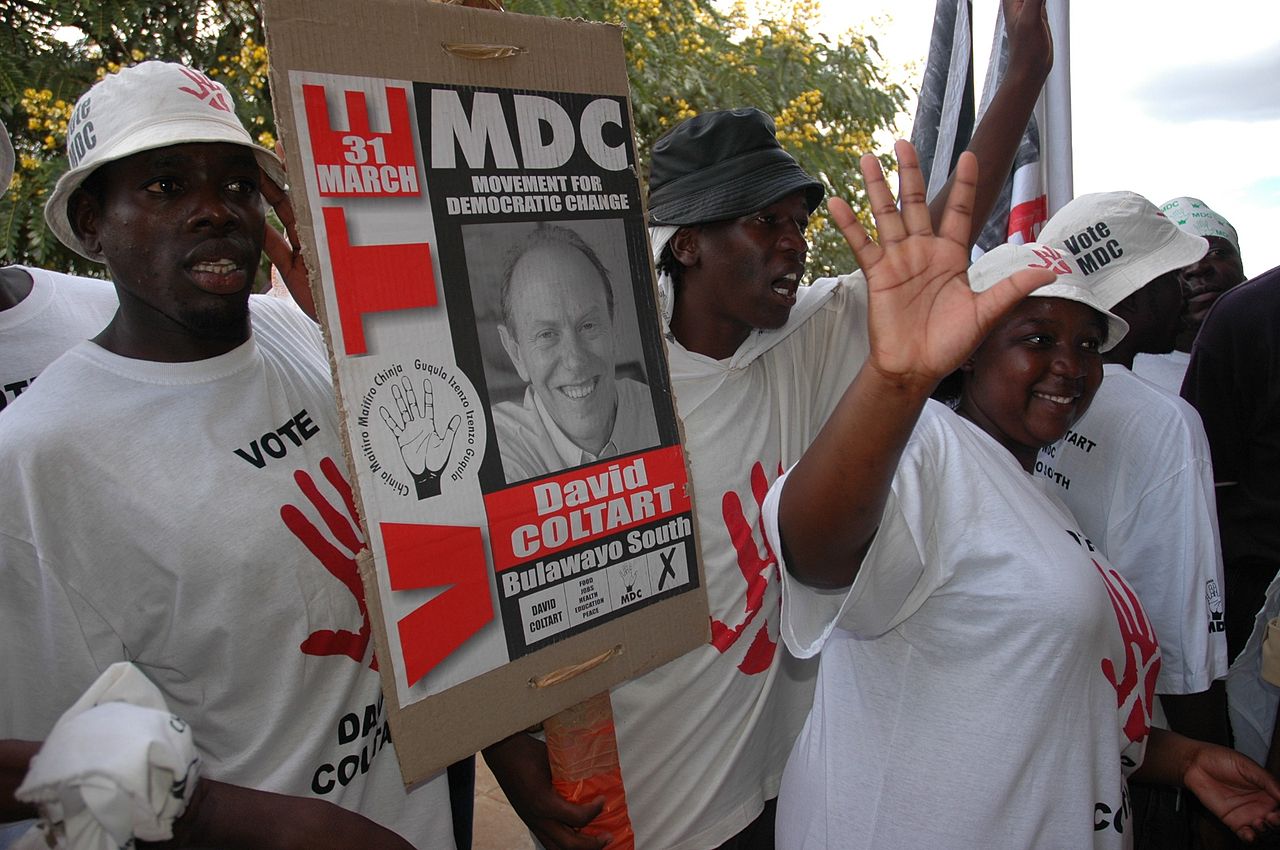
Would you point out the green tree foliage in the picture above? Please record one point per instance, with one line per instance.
(829, 96)
(53, 51)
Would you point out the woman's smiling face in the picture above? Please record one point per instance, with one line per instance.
(1035, 374)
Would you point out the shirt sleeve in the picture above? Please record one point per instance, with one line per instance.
(286, 314)
(894, 579)
(1251, 700)
(1172, 532)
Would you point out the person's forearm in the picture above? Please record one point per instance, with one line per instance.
(1232, 787)
(15, 759)
(232, 817)
(1202, 716)
(994, 143)
(228, 816)
(523, 770)
(1167, 758)
(996, 139)
(834, 496)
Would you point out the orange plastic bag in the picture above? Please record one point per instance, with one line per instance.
(583, 750)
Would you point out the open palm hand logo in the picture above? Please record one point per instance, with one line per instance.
(339, 561)
(1136, 684)
(758, 564)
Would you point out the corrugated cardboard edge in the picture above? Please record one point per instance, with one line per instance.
(350, 37)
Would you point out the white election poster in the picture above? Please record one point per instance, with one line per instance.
(486, 328)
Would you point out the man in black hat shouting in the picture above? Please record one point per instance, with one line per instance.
(757, 364)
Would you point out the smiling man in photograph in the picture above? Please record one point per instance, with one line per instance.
(558, 329)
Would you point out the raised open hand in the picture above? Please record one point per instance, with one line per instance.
(1030, 41)
(924, 320)
(423, 450)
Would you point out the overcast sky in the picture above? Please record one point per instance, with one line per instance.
(1170, 98)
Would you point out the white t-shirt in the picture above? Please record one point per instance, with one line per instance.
(1135, 472)
(1164, 370)
(59, 312)
(971, 674)
(193, 518)
(703, 739)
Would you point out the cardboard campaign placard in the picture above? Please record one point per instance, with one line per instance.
(467, 197)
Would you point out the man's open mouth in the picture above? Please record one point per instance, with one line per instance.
(216, 266)
(219, 275)
(787, 285)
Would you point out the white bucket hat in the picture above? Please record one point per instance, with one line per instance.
(1002, 261)
(148, 106)
(1118, 242)
(6, 159)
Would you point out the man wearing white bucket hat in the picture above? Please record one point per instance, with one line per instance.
(42, 313)
(171, 492)
(1135, 471)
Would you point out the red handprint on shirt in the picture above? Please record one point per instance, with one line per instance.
(340, 564)
(757, 563)
(1135, 688)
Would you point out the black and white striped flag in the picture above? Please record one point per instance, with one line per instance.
(1041, 179)
(945, 112)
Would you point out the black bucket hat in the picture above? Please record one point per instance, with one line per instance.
(721, 165)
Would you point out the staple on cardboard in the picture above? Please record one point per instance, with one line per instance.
(555, 677)
(482, 51)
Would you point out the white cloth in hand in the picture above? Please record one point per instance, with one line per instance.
(117, 765)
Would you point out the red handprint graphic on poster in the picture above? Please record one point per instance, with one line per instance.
(1136, 685)
(758, 565)
(340, 562)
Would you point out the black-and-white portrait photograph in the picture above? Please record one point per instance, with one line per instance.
(562, 353)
